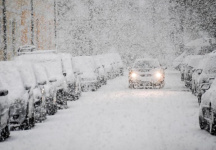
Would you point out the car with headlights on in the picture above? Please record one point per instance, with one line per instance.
(4, 113)
(207, 109)
(20, 97)
(146, 73)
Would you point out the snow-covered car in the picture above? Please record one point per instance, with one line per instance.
(88, 70)
(207, 73)
(72, 76)
(106, 61)
(118, 64)
(20, 97)
(146, 73)
(4, 114)
(54, 70)
(182, 66)
(101, 70)
(207, 109)
(29, 80)
(192, 63)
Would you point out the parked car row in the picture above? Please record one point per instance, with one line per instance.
(38, 83)
(199, 72)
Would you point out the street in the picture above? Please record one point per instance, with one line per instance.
(118, 118)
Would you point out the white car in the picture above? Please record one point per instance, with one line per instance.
(72, 77)
(54, 71)
(207, 110)
(101, 69)
(146, 73)
(207, 73)
(4, 114)
(88, 70)
(20, 97)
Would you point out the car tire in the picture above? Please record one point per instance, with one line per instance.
(202, 123)
(212, 129)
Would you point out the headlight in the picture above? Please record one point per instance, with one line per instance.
(158, 75)
(133, 75)
(42, 91)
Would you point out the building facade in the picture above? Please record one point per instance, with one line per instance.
(26, 22)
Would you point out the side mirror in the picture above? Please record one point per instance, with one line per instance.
(205, 86)
(199, 71)
(27, 87)
(3, 92)
(42, 83)
(64, 74)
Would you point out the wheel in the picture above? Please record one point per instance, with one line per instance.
(212, 129)
(202, 123)
(199, 99)
(131, 86)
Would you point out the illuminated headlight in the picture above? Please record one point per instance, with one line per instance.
(133, 75)
(42, 91)
(158, 75)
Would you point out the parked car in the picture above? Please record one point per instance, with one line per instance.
(20, 97)
(72, 76)
(101, 70)
(4, 113)
(107, 62)
(54, 70)
(118, 64)
(207, 109)
(182, 66)
(192, 63)
(207, 73)
(88, 70)
(146, 73)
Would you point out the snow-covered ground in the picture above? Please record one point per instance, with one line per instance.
(118, 118)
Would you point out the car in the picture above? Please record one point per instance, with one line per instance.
(4, 114)
(101, 70)
(118, 64)
(182, 66)
(51, 61)
(107, 62)
(72, 76)
(89, 75)
(21, 101)
(207, 73)
(207, 109)
(190, 67)
(146, 73)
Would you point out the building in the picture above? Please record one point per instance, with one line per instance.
(28, 22)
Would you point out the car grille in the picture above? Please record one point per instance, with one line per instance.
(145, 75)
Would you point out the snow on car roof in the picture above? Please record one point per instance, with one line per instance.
(84, 63)
(51, 61)
(194, 60)
(11, 80)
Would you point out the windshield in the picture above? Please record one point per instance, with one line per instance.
(146, 64)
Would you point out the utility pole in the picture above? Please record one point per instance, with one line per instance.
(4, 30)
(32, 22)
(55, 23)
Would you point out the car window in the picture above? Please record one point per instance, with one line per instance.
(146, 64)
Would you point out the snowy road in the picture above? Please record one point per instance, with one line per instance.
(118, 118)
